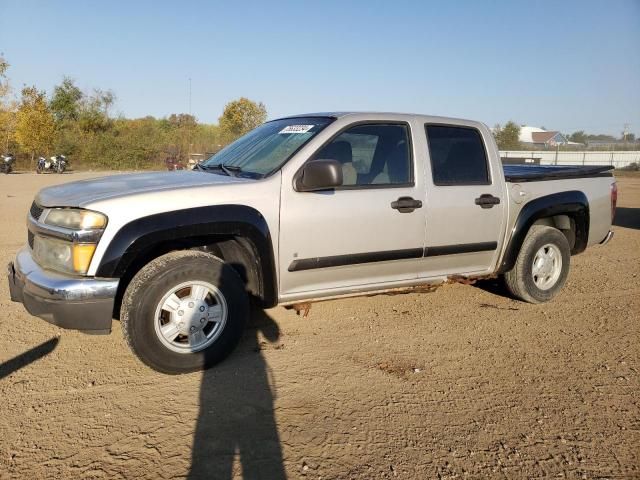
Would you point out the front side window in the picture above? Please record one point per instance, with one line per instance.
(266, 148)
(457, 156)
(371, 154)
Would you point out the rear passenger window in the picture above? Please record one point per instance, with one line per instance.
(371, 154)
(457, 156)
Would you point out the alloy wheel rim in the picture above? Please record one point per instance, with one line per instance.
(546, 266)
(190, 316)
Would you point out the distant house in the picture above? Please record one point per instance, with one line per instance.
(538, 137)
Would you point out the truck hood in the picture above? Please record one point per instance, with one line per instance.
(83, 192)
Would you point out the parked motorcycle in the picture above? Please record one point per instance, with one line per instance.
(173, 164)
(57, 163)
(6, 165)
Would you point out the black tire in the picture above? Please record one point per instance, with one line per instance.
(520, 279)
(152, 282)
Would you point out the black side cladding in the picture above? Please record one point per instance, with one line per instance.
(144, 233)
(572, 203)
(354, 259)
(389, 255)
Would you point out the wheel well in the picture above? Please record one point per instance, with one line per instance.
(566, 211)
(237, 251)
(565, 223)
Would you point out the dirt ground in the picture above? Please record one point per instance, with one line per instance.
(462, 382)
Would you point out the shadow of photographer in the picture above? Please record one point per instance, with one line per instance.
(236, 416)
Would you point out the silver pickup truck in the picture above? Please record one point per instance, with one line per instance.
(302, 208)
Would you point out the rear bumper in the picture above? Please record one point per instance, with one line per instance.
(606, 239)
(77, 303)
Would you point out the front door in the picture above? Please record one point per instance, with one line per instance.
(369, 231)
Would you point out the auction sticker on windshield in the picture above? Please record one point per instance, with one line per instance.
(296, 129)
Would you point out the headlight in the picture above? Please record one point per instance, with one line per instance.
(75, 219)
(62, 255)
(71, 249)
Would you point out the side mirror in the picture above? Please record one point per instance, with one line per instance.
(319, 175)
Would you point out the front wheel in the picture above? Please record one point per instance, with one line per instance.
(542, 265)
(184, 311)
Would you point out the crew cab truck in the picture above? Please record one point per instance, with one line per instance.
(302, 208)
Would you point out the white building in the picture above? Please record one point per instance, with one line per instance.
(539, 137)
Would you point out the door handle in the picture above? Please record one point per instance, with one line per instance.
(406, 204)
(486, 200)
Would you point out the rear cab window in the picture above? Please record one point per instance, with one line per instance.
(458, 155)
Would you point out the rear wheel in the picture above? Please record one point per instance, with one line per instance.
(542, 265)
(184, 311)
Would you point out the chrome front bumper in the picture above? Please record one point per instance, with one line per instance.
(78, 303)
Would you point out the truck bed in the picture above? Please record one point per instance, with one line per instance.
(539, 173)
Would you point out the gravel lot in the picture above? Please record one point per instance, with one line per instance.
(459, 382)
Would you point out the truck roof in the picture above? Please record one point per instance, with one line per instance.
(372, 115)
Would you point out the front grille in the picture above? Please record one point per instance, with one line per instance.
(30, 240)
(35, 211)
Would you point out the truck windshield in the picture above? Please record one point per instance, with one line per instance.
(266, 148)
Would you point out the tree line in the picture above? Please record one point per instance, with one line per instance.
(81, 126)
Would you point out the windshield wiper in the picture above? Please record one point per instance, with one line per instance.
(230, 170)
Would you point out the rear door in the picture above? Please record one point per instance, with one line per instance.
(369, 231)
(465, 202)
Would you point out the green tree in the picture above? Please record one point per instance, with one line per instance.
(7, 107)
(578, 137)
(240, 116)
(508, 137)
(35, 127)
(94, 111)
(181, 120)
(180, 129)
(65, 101)
(4, 81)
(602, 137)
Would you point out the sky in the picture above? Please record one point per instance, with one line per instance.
(564, 65)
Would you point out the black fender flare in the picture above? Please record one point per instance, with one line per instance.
(144, 233)
(573, 203)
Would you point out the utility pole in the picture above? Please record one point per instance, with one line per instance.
(189, 95)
